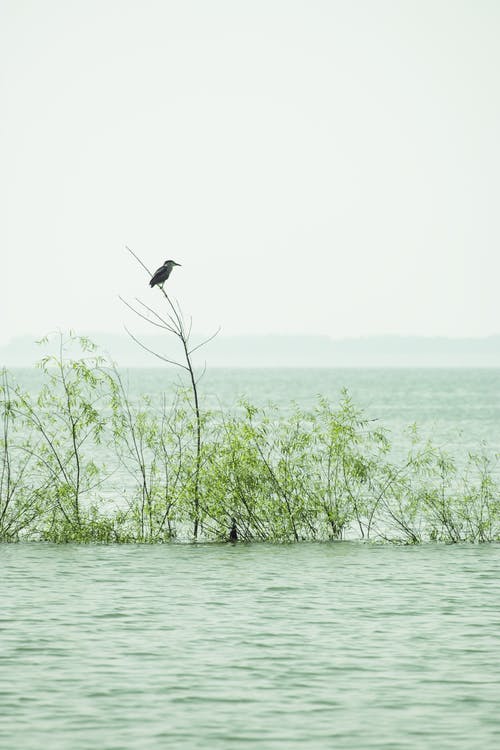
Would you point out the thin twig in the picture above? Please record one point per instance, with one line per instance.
(206, 341)
(151, 351)
(144, 317)
(138, 260)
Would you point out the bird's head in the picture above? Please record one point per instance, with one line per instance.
(171, 263)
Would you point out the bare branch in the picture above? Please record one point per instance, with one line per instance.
(138, 260)
(176, 312)
(177, 326)
(164, 327)
(151, 351)
(170, 326)
(202, 374)
(210, 338)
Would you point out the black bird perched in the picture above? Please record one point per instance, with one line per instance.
(161, 275)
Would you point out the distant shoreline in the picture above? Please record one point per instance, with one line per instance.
(278, 351)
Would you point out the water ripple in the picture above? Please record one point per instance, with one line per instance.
(317, 646)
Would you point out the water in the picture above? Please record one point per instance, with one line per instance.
(320, 646)
(339, 645)
(458, 407)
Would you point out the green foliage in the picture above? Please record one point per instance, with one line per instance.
(83, 462)
(22, 486)
(64, 425)
(466, 506)
(155, 449)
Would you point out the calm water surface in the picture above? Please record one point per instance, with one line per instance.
(217, 646)
(457, 406)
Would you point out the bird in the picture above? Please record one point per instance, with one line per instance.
(161, 275)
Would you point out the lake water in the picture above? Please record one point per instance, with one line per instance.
(458, 407)
(339, 645)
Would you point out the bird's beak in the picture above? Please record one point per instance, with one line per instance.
(178, 264)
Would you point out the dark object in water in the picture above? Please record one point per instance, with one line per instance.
(233, 534)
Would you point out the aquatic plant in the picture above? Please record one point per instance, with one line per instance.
(83, 461)
(294, 479)
(155, 449)
(463, 506)
(22, 488)
(64, 424)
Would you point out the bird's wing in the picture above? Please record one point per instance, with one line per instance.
(160, 275)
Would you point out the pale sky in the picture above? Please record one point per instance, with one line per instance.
(317, 166)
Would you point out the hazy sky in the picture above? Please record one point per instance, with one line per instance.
(322, 167)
